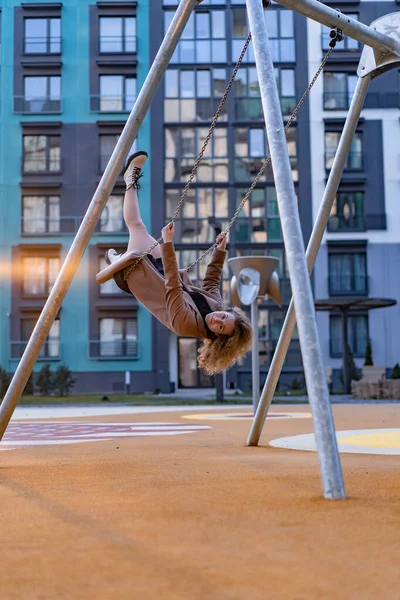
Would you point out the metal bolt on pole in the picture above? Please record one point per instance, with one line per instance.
(312, 251)
(328, 455)
(94, 211)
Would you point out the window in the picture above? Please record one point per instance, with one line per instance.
(193, 224)
(348, 273)
(347, 212)
(117, 93)
(112, 220)
(248, 104)
(40, 214)
(259, 220)
(182, 146)
(41, 154)
(42, 36)
(41, 95)
(109, 288)
(203, 40)
(51, 347)
(193, 95)
(117, 34)
(279, 24)
(338, 90)
(118, 337)
(39, 274)
(107, 143)
(357, 335)
(348, 43)
(251, 151)
(354, 158)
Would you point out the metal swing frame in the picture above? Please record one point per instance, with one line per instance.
(382, 53)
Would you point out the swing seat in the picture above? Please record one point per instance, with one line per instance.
(117, 265)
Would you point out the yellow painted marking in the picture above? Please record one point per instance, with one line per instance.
(247, 416)
(383, 439)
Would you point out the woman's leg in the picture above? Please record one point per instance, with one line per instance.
(139, 237)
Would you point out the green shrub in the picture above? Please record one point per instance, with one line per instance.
(368, 355)
(4, 381)
(29, 386)
(45, 380)
(63, 380)
(396, 371)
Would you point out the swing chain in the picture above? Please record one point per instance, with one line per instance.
(197, 163)
(266, 163)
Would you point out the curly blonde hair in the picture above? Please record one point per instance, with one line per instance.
(220, 353)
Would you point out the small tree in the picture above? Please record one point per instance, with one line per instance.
(396, 371)
(4, 381)
(45, 381)
(351, 366)
(368, 355)
(63, 380)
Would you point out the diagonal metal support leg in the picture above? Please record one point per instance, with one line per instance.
(94, 211)
(328, 455)
(312, 250)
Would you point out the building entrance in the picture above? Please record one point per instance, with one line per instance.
(190, 375)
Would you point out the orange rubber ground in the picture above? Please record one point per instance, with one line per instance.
(200, 516)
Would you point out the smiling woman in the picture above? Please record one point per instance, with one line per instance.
(168, 293)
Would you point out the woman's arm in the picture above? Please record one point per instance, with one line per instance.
(212, 279)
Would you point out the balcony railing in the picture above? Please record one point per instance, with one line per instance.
(342, 100)
(69, 226)
(39, 163)
(42, 45)
(118, 44)
(250, 109)
(246, 168)
(354, 160)
(348, 285)
(116, 104)
(340, 222)
(45, 105)
(49, 351)
(112, 349)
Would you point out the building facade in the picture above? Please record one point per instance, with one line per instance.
(70, 73)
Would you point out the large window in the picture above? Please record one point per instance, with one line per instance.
(118, 337)
(51, 347)
(112, 220)
(338, 90)
(259, 219)
(39, 274)
(248, 104)
(348, 273)
(203, 40)
(354, 158)
(347, 212)
(117, 34)
(42, 36)
(251, 151)
(41, 95)
(40, 214)
(41, 154)
(357, 335)
(193, 94)
(200, 205)
(107, 143)
(117, 93)
(279, 24)
(183, 145)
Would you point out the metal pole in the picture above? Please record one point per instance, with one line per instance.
(312, 250)
(94, 211)
(332, 18)
(255, 356)
(345, 352)
(325, 437)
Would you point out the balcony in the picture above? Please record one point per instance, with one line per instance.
(189, 110)
(341, 223)
(49, 351)
(354, 160)
(42, 45)
(111, 104)
(113, 349)
(35, 106)
(250, 109)
(118, 44)
(348, 285)
(342, 100)
(40, 163)
(49, 227)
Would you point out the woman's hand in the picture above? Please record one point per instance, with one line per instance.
(221, 241)
(168, 232)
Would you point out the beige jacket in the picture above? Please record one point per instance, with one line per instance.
(165, 297)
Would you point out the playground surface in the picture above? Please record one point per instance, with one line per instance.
(124, 503)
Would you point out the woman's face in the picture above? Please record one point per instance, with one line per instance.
(221, 322)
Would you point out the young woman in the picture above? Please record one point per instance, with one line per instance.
(168, 292)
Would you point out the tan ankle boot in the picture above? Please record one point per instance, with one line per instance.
(133, 169)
